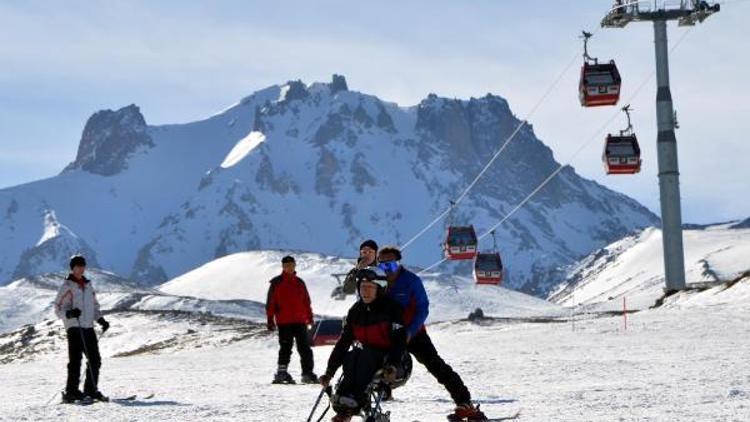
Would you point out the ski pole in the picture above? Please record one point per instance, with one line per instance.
(52, 398)
(88, 357)
(315, 406)
(326, 390)
(329, 392)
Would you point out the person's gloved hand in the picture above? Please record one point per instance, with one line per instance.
(73, 313)
(270, 325)
(389, 374)
(325, 380)
(103, 322)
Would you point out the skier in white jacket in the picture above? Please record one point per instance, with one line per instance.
(77, 306)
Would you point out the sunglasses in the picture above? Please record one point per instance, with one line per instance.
(389, 266)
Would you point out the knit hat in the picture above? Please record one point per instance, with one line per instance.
(287, 259)
(370, 244)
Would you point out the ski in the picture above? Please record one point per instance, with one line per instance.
(82, 402)
(514, 416)
(132, 398)
(506, 418)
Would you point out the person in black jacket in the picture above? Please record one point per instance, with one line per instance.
(368, 252)
(375, 326)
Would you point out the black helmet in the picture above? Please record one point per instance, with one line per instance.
(77, 260)
(373, 275)
(403, 372)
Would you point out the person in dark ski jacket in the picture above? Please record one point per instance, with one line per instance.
(368, 253)
(374, 326)
(78, 308)
(407, 289)
(288, 308)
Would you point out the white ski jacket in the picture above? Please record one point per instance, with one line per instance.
(73, 294)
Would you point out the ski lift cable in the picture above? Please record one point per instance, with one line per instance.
(497, 153)
(575, 153)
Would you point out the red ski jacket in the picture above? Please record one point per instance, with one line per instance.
(288, 301)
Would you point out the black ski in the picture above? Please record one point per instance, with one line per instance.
(82, 402)
(498, 419)
(132, 398)
(506, 418)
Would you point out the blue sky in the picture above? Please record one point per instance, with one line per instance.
(185, 60)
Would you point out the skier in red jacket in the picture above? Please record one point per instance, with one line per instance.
(288, 308)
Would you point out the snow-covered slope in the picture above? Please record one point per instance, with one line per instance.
(246, 275)
(670, 365)
(633, 267)
(316, 168)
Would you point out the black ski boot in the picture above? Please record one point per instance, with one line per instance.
(309, 378)
(98, 396)
(283, 377)
(75, 397)
(71, 396)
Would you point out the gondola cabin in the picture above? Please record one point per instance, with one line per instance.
(622, 155)
(325, 332)
(460, 243)
(488, 268)
(599, 85)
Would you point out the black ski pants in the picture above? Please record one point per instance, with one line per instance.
(288, 334)
(424, 351)
(360, 365)
(83, 341)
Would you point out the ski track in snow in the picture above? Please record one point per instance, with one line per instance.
(673, 364)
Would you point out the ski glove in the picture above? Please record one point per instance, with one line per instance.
(324, 380)
(73, 313)
(105, 325)
(389, 374)
(270, 325)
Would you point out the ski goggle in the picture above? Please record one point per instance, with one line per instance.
(389, 266)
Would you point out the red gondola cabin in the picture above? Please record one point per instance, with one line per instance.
(488, 268)
(622, 155)
(460, 243)
(599, 85)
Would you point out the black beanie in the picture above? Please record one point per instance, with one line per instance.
(370, 244)
(286, 259)
(76, 261)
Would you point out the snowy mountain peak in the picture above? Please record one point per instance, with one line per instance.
(318, 167)
(338, 84)
(293, 90)
(54, 249)
(109, 139)
(52, 228)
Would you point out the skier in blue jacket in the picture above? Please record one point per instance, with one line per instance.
(407, 289)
